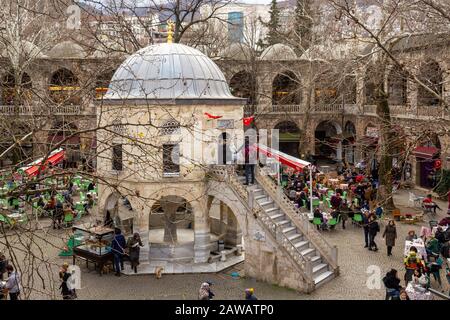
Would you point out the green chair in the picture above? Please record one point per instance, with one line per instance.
(82, 196)
(68, 250)
(344, 195)
(304, 203)
(330, 193)
(15, 202)
(76, 181)
(357, 218)
(60, 197)
(327, 202)
(316, 202)
(333, 222)
(79, 207)
(68, 220)
(317, 222)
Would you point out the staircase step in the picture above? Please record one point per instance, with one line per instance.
(294, 237)
(316, 260)
(307, 252)
(319, 269)
(283, 222)
(301, 244)
(258, 190)
(272, 210)
(289, 229)
(276, 216)
(261, 197)
(266, 203)
(323, 278)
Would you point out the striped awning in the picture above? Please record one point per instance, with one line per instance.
(425, 152)
(35, 167)
(283, 158)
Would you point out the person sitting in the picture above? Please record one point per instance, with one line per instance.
(89, 203)
(392, 284)
(336, 201)
(428, 203)
(318, 214)
(411, 236)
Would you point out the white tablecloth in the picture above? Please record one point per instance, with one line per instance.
(418, 243)
(417, 293)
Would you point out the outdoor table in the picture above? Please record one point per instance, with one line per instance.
(15, 215)
(416, 292)
(418, 243)
(344, 186)
(333, 182)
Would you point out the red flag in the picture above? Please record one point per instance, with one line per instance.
(248, 121)
(211, 116)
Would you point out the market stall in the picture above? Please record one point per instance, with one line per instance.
(94, 245)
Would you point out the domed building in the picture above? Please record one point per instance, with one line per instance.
(161, 136)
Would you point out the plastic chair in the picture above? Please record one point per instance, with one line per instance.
(68, 220)
(344, 194)
(82, 196)
(330, 193)
(316, 202)
(317, 222)
(357, 218)
(333, 222)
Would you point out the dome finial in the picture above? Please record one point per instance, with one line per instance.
(169, 31)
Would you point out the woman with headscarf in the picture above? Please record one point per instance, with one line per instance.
(134, 244)
(203, 293)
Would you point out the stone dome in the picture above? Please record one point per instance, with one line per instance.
(237, 51)
(25, 48)
(278, 51)
(67, 50)
(168, 71)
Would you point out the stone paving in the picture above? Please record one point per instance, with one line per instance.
(351, 284)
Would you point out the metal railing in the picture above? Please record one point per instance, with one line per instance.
(300, 220)
(40, 110)
(303, 264)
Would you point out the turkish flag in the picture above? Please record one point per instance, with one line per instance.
(210, 116)
(248, 121)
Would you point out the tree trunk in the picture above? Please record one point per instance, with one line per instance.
(384, 194)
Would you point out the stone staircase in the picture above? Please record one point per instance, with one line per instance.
(314, 258)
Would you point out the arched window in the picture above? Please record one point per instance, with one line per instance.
(431, 75)
(64, 87)
(370, 87)
(285, 89)
(169, 127)
(243, 85)
(397, 83)
(15, 92)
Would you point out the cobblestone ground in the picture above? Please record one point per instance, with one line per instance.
(351, 284)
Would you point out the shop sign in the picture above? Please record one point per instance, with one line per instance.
(225, 124)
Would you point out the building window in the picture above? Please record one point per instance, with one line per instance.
(171, 160)
(235, 26)
(170, 127)
(117, 157)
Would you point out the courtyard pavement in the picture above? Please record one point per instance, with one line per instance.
(354, 261)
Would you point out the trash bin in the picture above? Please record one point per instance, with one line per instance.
(221, 245)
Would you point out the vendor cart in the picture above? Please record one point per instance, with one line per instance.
(94, 245)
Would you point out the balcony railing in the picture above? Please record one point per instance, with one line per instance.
(293, 108)
(40, 110)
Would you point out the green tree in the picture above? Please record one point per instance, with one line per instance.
(302, 24)
(273, 34)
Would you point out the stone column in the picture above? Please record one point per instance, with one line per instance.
(141, 226)
(234, 234)
(170, 207)
(202, 237)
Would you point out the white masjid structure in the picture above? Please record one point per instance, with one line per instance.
(166, 117)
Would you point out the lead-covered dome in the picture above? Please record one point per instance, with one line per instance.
(168, 71)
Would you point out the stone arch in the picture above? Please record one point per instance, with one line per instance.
(15, 93)
(64, 87)
(102, 83)
(289, 137)
(243, 85)
(431, 75)
(397, 84)
(328, 141)
(285, 89)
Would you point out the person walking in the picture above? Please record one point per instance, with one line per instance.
(365, 223)
(390, 234)
(117, 246)
(3, 264)
(249, 163)
(249, 294)
(64, 275)
(392, 283)
(13, 283)
(204, 292)
(134, 245)
(374, 228)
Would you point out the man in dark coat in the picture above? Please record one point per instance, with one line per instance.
(365, 222)
(390, 234)
(374, 228)
(118, 246)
